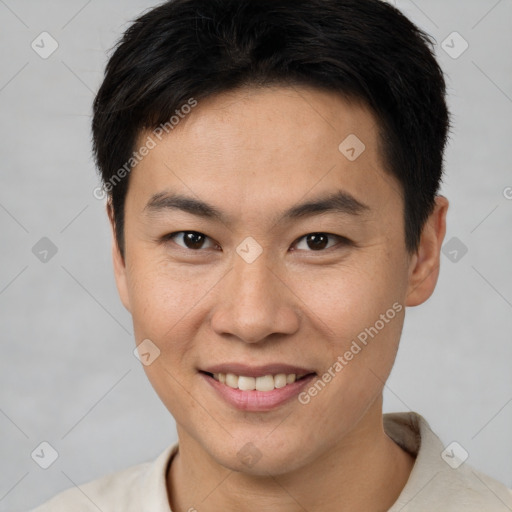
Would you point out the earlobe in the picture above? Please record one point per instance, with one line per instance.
(118, 263)
(424, 267)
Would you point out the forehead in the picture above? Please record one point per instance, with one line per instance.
(253, 149)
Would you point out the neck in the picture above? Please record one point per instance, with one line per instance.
(365, 471)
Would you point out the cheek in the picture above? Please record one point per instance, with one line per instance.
(348, 299)
(165, 299)
(360, 315)
(165, 302)
(359, 309)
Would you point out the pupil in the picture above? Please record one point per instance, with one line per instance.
(193, 240)
(317, 241)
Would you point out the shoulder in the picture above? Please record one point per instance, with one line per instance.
(120, 487)
(481, 491)
(130, 489)
(441, 478)
(465, 489)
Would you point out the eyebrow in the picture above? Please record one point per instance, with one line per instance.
(340, 202)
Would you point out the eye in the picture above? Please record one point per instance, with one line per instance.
(192, 240)
(319, 242)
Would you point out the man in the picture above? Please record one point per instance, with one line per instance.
(272, 171)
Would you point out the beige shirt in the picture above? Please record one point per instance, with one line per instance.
(433, 486)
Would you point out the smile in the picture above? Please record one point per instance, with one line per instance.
(258, 393)
(264, 383)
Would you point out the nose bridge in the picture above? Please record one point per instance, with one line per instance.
(253, 282)
(254, 302)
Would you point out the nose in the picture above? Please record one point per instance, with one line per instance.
(254, 302)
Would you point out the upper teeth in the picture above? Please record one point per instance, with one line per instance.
(264, 383)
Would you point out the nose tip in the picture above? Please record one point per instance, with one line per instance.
(253, 304)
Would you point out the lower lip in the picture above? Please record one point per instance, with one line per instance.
(257, 401)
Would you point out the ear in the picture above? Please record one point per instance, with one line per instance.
(424, 265)
(118, 261)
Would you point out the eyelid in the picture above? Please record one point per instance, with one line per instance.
(170, 237)
(341, 240)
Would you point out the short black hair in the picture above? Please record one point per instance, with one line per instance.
(365, 50)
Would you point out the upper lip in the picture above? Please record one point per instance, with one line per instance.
(257, 371)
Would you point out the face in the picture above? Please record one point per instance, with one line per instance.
(255, 245)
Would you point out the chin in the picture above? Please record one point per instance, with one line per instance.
(259, 458)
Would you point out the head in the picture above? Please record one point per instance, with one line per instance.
(272, 171)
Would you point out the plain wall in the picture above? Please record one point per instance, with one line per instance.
(68, 373)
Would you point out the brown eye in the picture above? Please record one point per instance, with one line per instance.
(319, 242)
(190, 240)
(193, 240)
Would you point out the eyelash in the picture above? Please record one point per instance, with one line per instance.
(342, 241)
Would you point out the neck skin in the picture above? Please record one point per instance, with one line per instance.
(365, 471)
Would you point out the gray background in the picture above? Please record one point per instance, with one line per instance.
(68, 374)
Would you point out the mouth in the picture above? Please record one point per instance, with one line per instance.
(263, 383)
(260, 392)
